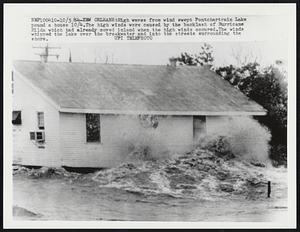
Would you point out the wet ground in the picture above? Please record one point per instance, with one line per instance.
(193, 187)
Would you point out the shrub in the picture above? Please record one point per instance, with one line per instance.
(278, 154)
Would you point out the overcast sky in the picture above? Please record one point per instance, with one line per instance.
(156, 53)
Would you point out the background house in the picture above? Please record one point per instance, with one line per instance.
(87, 114)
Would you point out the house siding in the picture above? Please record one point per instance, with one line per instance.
(117, 133)
(29, 102)
(213, 123)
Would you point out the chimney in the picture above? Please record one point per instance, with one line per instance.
(173, 61)
(70, 56)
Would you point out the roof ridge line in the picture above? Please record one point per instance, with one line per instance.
(108, 64)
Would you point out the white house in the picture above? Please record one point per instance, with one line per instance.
(82, 114)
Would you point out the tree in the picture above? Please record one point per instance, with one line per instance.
(205, 56)
(268, 88)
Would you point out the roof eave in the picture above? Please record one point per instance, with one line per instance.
(186, 113)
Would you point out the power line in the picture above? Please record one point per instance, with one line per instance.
(45, 54)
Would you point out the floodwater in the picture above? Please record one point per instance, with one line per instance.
(184, 189)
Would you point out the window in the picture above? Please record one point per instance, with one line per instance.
(40, 116)
(16, 118)
(93, 128)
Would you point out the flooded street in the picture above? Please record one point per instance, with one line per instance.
(53, 199)
(184, 189)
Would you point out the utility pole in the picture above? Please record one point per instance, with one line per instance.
(45, 54)
(269, 189)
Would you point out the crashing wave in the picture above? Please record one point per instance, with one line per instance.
(200, 174)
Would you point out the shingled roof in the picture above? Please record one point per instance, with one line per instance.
(123, 88)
